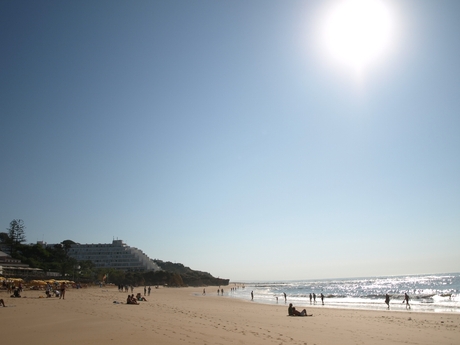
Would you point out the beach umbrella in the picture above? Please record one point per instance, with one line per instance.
(15, 281)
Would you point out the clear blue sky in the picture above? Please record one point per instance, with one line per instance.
(218, 134)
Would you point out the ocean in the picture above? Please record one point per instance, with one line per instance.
(427, 292)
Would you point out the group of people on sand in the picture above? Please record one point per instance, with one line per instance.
(134, 300)
(58, 292)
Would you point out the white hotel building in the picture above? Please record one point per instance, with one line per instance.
(116, 255)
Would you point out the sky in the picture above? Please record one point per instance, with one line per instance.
(236, 137)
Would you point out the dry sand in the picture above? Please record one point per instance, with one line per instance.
(184, 316)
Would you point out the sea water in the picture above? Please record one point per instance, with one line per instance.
(428, 293)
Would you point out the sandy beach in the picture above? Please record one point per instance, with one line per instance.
(185, 316)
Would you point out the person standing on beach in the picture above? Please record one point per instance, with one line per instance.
(145, 290)
(387, 300)
(310, 298)
(322, 298)
(204, 292)
(252, 295)
(149, 290)
(285, 297)
(62, 288)
(314, 298)
(406, 299)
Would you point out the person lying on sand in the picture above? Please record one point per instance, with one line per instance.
(293, 312)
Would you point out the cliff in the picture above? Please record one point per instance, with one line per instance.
(191, 277)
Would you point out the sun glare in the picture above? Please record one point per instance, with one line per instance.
(357, 33)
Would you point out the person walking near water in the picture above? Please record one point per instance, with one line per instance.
(322, 298)
(252, 295)
(314, 298)
(285, 297)
(406, 299)
(310, 298)
(387, 301)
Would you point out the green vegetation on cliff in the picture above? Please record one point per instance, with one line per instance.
(189, 276)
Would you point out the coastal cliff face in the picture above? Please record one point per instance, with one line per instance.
(191, 277)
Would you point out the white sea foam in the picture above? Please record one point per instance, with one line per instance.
(429, 293)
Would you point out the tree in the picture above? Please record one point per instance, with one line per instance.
(16, 234)
(66, 265)
(86, 270)
(66, 245)
(4, 238)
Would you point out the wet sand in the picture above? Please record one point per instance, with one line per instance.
(185, 316)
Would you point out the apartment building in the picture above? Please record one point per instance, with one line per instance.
(116, 255)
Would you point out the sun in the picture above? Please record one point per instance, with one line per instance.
(357, 33)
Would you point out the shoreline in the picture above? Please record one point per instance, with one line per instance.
(185, 316)
(329, 306)
(428, 293)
